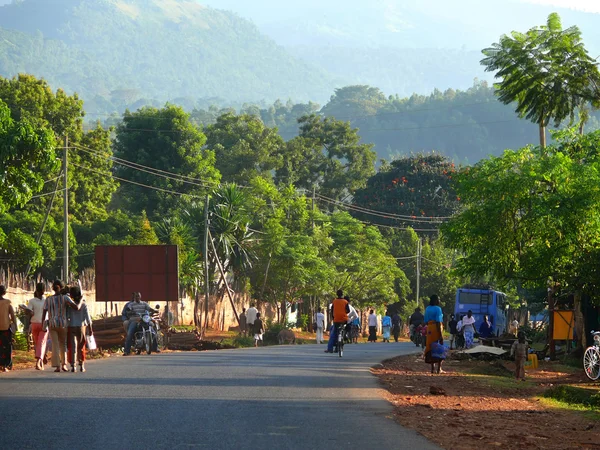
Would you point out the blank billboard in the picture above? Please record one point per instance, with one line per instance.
(152, 270)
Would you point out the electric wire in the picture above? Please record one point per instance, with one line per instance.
(390, 215)
(147, 169)
(384, 216)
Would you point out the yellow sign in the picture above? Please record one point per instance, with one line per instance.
(564, 324)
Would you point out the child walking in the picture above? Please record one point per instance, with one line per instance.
(519, 350)
(258, 330)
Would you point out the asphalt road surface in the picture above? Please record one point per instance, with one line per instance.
(285, 397)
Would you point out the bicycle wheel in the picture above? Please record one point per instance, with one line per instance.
(341, 344)
(591, 363)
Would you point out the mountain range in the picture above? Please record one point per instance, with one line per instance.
(129, 53)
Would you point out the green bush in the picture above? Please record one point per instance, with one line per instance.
(20, 341)
(574, 396)
(534, 335)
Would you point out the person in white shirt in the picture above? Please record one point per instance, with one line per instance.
(468, 328)
(514, 326)
(250, 318)
(40, 336)
(372, 326)
(352, 315)
(320, 321)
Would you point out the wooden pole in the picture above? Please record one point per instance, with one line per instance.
(206, 272)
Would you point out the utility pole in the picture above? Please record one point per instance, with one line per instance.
(206, 274)
(315, 302)
(66, 212)
(418, 270)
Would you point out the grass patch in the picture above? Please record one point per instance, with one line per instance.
(23, 357)
(572, 362)
(239, 341)
(588, 413)
(184, 327)
(494, 369)
(588, 398)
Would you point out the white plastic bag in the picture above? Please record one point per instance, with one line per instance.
(91, 343)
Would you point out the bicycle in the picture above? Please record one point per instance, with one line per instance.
(591, 358)
(340, 341)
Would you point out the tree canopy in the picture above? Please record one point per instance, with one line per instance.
(547, 71)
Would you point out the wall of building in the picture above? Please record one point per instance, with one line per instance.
(220, 317)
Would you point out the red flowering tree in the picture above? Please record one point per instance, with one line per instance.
(417, 187)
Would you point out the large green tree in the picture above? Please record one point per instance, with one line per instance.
(244, 147)
(151, 142)
(528, 216)
(547, 71)
(91, 184)
(364, 265)
(327, 156)
(27, 154)
(412, 190)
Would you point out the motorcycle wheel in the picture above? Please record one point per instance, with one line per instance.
(148, 339)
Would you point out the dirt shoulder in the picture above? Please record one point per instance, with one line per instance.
(478, 404)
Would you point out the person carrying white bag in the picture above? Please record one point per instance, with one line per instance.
(79, 323)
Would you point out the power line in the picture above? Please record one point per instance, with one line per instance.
(433, 127)
(47, 193)
(388, 215)
(384, 216)
(141, 168)
(136, 183)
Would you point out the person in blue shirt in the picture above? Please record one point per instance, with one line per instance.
(434, 317)
(485, 329)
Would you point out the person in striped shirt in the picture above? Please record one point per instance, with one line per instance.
(55, 308)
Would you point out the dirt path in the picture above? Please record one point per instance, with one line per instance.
(479, 406)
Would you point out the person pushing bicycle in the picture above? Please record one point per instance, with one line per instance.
(340, 308)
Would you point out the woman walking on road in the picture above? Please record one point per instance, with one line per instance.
(468, 327)
(372, 326)
(8, 326)
(40, 336)
(56, 309)
(434, 317)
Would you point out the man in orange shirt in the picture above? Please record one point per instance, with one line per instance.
(339, 311)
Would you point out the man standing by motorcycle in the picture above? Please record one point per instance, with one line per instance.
(415, 320)
(133, 312)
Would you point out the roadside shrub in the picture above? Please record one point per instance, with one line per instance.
(534, 334)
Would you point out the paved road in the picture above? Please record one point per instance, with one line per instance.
(289, 397)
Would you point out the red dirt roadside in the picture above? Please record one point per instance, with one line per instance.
(477, 411)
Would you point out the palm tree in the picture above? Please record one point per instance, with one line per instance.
(546, 70)
(229, 228)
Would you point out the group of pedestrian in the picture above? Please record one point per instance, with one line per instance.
(62, 318)
(251, 324)
(462, 331)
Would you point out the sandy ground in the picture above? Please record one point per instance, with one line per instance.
(474, 411)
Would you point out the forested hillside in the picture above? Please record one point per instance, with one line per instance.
(115, 52)
(465, 126)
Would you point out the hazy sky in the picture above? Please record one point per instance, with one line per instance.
(582, 5)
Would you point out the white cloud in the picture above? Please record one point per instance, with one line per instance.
(580, 5)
